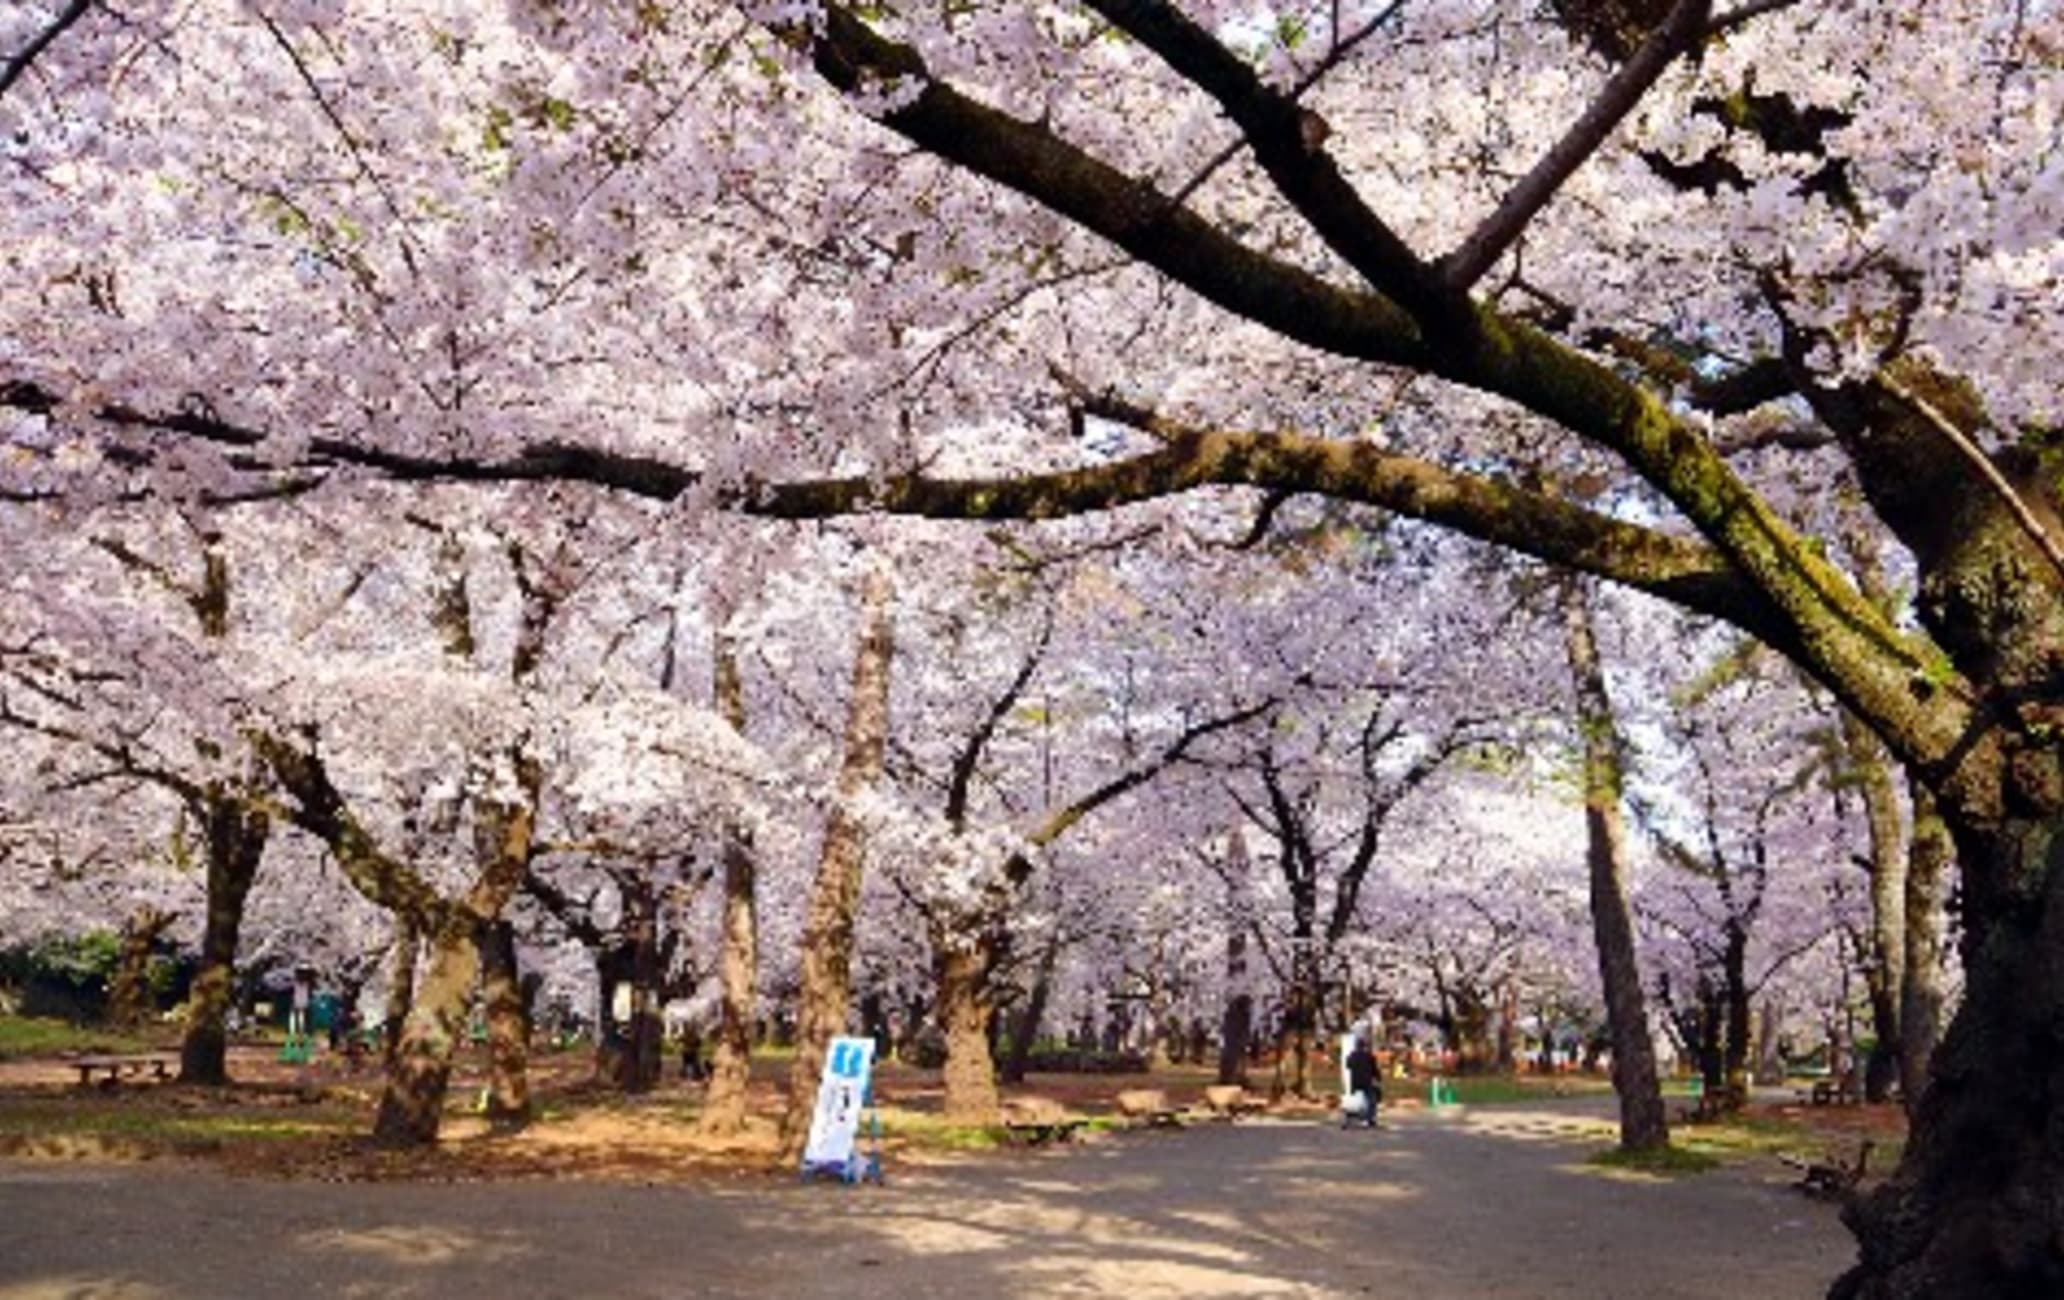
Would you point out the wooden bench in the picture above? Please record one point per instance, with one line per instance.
(113, 1068)
(1833, 1092)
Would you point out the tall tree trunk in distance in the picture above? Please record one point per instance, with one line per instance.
(129, 990)
(411, 1106)
(1508, 1029)
(827, 965)
(1734, 1065)
(1294, 1049)
(401, 986)
(1643, 1124)
(1770, 1066)
(236, 835)
(1920, 990)
(1236, 1027)
(964, 1004)
(638, 1068)
(508, 1026)
(1884, 973)
(723, 1110)
(1025, 1026)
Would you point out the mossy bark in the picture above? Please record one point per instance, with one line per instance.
(1643, 1124)
(508, 1026)
(236, 835)
(412, 1103)
(129, 989)
(1930, 860)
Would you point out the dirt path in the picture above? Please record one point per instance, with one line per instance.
(1490, 1203)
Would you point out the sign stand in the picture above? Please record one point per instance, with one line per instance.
(844, 1092)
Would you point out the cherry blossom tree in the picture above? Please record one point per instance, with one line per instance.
(1751, 253)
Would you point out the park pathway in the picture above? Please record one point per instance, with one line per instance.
(1494, 1202)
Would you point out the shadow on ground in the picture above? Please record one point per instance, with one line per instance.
(1489, 1203)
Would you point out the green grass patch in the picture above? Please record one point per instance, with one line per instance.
(21, 1036)
(1500, 1089)
(1670, 1161)
(166, 1127)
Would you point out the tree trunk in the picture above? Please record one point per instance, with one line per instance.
(1770, 1066)
(129, 990)
(1973, 1209)
(1920, 991)
(1471, 1039)
(1884, 975)
(724, 1109)
(1025, 1029)
(412, 1104)
(1643, 1124)
(827, 965)
(1293, 1065)
(401, 986)
(1508, 1030)
(638, 1068)
(1236, 1028)
(1734, 1064)
(508, 1026)
(970, 1073)
(236, 836)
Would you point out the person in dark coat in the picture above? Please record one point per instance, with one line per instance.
(1362, 1080)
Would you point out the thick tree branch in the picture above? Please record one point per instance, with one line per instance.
(1289, 142)
(29, 53)
(1130, 213)
(1829, 629)
(1681, 31)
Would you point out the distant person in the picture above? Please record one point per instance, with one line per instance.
(297, 1014)
(1364, 1088)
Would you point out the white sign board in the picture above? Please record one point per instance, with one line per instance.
(841, 1093)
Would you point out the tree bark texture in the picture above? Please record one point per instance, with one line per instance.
(236, 835)
(1026, 1024)
(962, 967)
(412, 1104)
(827, 958)
(1885, 971)
(129, 990)
(401, 985)
(1930, 860)
(724, 1104)
(508, 1026)
(1643, 1124)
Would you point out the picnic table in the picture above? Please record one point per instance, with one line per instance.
(113, 1068)
(1845, 1091)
